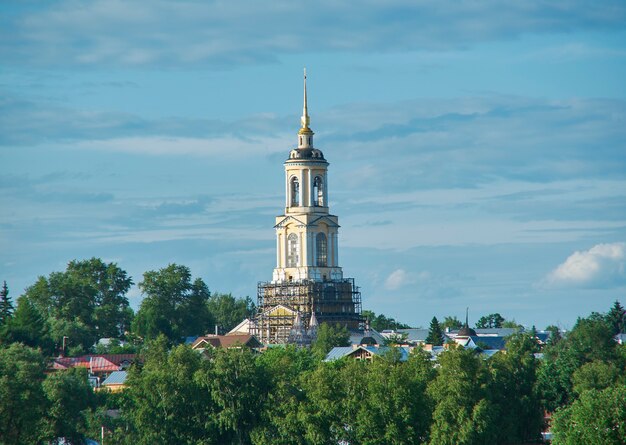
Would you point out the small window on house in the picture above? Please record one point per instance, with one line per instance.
(321, 246)
(295, 192)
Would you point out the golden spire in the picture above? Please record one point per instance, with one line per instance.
(305, 120)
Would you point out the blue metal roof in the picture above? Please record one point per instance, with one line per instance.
(116, 378)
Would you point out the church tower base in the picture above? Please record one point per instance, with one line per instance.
(333, 302)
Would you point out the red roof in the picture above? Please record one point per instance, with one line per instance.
(95, 363)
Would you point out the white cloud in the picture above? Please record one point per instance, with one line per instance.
(599, 267)
(397, 279)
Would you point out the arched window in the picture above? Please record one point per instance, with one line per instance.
(321, 246)
(293, 250)
(318, 192)
(295, 192)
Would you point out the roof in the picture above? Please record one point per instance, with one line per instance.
(340, 352)
(226, 341)
(96, 362)
(497, 343)
(357, 335)
(415, 335)
(115, 378)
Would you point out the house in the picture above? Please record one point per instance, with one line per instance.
(226, 341)
(365, 352)
(115, 382)
(100, 366)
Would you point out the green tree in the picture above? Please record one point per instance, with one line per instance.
(555, 334)
(396, 408)
(382, 322)
(597, 417)
(463, 413)
(435, 333)
(27, 326)
(451, 323)
(167, 401)
(616, 318)
(22, 400)
(173, 305)
(69, 397)
(513, 391)
(490, 321)
(284, 368)
(6, 306)
(238, 388)
(591, 339)
(228, 311)
(595, 375)
(329, 336)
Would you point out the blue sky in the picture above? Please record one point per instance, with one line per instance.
(477, 148)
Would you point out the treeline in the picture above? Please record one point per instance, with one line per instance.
(88, 301)
(290, 396)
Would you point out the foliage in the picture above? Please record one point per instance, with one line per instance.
(70, 396)
(167, 402)
(513, 393)
(381, 322)
(463, 413)
(451, 323)
(616, 318)
(22, 400)
(597, 417)
(229, 311)
(87, 299)
(595, 375)
(490, 321)
(28, 327)
(173, 306)
(238, 389)
(591, 339)
(435, 333)
(6, 306)
(329, 336)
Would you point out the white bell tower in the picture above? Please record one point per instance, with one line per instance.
(306, 235)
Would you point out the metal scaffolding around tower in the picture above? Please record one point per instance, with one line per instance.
(278, 304)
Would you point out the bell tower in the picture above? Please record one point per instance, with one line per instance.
(306, 234)
(307, 282)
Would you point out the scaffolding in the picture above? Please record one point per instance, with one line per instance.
(333, 301)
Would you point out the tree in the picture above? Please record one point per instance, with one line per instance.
(228, 311)
(595, 375)
(591, 339)
(396, 408)
(329, 336)
(22, 401)
(167, 399)
(6, 307)
(69, 396)
(90, 293)
(451, 323)
(512, 391)
(463, 413)
(490, 321)
(28, 327)
(435, 333)
(616, 318)
(382, 322)
(597, 417)
(555, 334)
(173, 305)
(238, 387)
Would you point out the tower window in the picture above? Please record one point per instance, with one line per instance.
(295, 192)
(321, 245)
(293, 252)
(318, 192)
